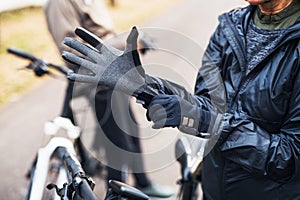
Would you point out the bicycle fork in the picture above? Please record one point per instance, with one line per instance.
(42, 165)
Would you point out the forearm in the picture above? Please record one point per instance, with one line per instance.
(154, 86)
(198, 115)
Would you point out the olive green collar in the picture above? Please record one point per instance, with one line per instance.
(277, 18)
(283, 19)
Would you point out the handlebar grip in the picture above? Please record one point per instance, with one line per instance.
(86, 191)
(74, 168)
(22, 54)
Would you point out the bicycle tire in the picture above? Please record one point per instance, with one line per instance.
(30, 177)
(52, 177)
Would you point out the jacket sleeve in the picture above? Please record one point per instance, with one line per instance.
(201, 115)
(209, 97)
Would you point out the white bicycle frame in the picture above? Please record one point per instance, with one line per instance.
(44, 154)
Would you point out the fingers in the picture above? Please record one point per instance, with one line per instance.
(82, 78)
(159, 124)
(89, 37)
(72, 58)
(164, 111)
(79, 61)
(131, 42)
(94, 41)
(82, 48)
(157, 113)
(159, 116)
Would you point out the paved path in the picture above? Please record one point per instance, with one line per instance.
(178, 32)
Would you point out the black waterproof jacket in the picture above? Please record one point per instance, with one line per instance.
(257, 155)
(254, 152)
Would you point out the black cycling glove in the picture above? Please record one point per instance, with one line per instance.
(108, 66)
(174, 111)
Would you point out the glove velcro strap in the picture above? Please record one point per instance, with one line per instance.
(190, 124)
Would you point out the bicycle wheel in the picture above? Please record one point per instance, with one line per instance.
(30, 177)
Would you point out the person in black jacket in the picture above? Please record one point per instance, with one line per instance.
(254, 119)
(246, 100)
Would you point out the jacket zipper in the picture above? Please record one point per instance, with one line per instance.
(247, 77)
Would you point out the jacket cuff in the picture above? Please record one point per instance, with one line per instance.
(152, 87)
(196, 125)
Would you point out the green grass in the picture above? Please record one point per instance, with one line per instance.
(24, 29)
(17, 30)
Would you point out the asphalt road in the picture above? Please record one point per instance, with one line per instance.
(181, 35)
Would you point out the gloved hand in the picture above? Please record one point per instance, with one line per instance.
(164, 111)
(173, 111)
(108, 66)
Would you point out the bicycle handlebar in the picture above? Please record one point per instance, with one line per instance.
(38, 65)
(82, 184)
(86, 191)
(22, 54)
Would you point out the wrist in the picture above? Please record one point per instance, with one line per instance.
(152, 87)
(203, 124)
(192, 123)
